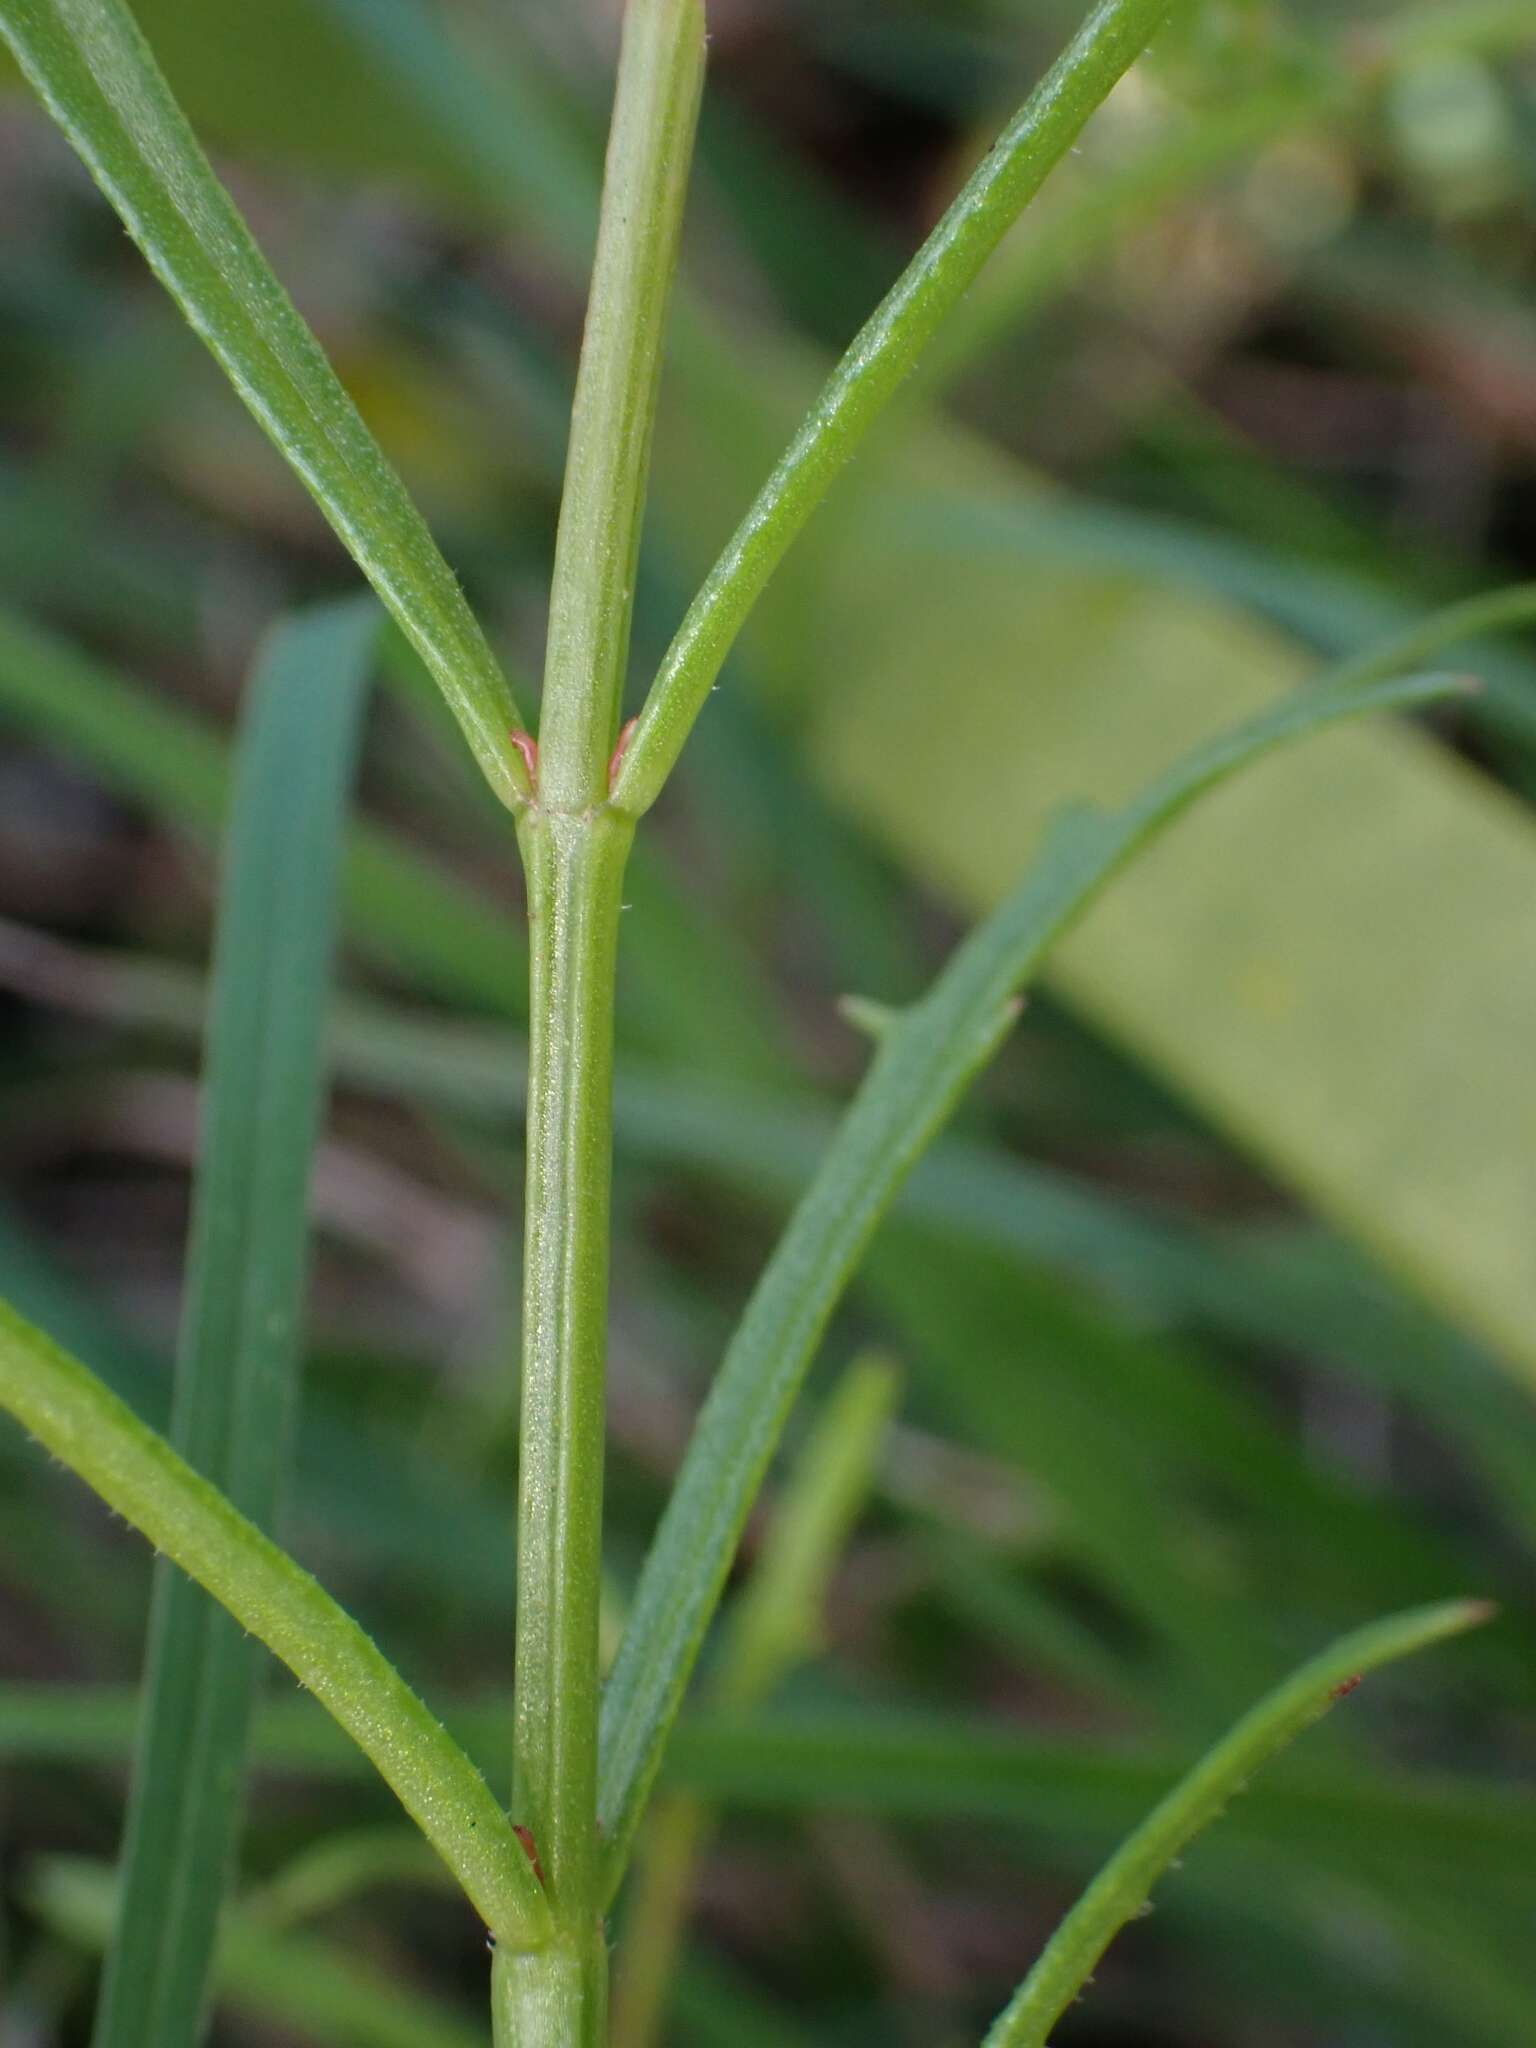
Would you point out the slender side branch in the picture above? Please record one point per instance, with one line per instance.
(882, 353)
(650, 145)
(924, 1059)
(1122, 1887)
(140, 1477)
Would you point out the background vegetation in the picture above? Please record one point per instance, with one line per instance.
(1215, 1317)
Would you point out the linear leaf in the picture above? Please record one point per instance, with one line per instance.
(1121, 1889)
(138, 1475)
(1110, 39)
(237, 1366)
(922, 1063)
(96, 74)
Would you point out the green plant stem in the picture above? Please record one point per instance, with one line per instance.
(141, 1478)
(556, 1999)
(650, 145)
(1122, 1887)
(884, 350)
(575, 868)
(574, 850)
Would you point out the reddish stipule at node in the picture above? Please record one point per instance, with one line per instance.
(615, 759)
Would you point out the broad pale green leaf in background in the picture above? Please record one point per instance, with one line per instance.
(1337, 965)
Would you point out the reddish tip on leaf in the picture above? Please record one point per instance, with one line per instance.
(617, 756)
(1344, 1687)
(528, 747)
(525, 1836)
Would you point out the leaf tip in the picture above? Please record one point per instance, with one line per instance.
(873, 1019)
(1477, 1613)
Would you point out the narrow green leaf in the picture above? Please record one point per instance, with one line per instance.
(1121, 1889)
(1342, 78)
(96, 74)
(920, 1068)
(872, 370)
(141, 1478)
(237, 1365)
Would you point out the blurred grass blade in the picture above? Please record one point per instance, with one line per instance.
(922, 1768)
(1454, 626)
(520, 149)
(778, 1621)
(141, 1478)
(922, 1064)
(99, 80)
(1121, 1889)
(405, 910)
(237, 1363)
(336, 1869)
(303, 1986)
(776, 1625)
